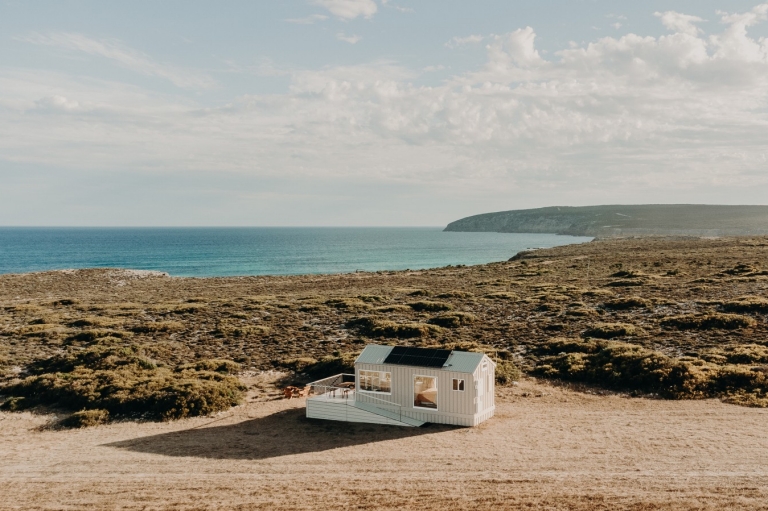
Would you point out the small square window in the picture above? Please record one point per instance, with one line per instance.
(458, 384)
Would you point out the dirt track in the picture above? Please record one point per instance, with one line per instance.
(548, 448)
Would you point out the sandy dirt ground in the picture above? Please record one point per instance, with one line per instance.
(547, 448)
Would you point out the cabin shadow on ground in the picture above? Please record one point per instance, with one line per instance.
(281, 434)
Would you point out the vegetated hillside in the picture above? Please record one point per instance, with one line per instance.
(679, 318)
(631, 220)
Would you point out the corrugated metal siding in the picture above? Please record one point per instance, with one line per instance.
(453, 407)
(373, 354)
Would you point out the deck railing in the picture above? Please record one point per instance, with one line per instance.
(332, 384)
(329, 386)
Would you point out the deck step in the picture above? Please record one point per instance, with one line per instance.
(387, 413)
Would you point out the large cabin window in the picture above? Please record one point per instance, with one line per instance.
(425, 392)
(375, 381)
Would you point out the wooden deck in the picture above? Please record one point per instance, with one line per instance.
(340, 406)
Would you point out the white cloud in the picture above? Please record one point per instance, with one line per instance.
(682, 23)
(617, 115)
(124, 56)
(348, 9)
(308, 20)
(457, 42)
(616, 25)
(351, 39)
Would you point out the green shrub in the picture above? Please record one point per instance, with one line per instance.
(217, 365)
(124, 382)
(612, 330)
(326, 366)
(453, 319)
(428, 306)
(708, 322)
(86, 418)
(375, 327)
(618, 365)
(506, 372)
(15, 404)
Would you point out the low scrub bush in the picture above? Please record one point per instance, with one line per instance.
(502, 296)
(94, 335)
(631, 302)
(427, 306)
(95, 321)
(159, 326)
(624, 366)
(453, 319)
(326, 366)
(125, 383)
(747, 304)
(612, 330)
(211, 364)
(85, 418)
(372, 298)
(239, 331)
(298, 365)
(582, 313)
(708, 322)
(455, 294)
(617, 365)
(393, 308)
(506, 372)
(375, 327)
(347, 303)
(628, 274)
(626, 283)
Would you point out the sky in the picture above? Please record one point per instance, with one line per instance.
(375, 112)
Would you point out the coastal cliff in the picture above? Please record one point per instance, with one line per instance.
(623, 220)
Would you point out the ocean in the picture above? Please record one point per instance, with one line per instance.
(217, 251)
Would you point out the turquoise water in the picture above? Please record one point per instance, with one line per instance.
(208, 252)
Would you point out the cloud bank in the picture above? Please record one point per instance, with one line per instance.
(686, 109)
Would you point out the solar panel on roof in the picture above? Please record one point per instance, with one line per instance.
(424, 357)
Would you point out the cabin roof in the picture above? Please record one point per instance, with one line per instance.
(458, 361)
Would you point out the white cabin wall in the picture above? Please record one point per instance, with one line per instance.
(453, 407)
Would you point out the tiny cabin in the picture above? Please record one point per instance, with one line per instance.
(409, 386)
